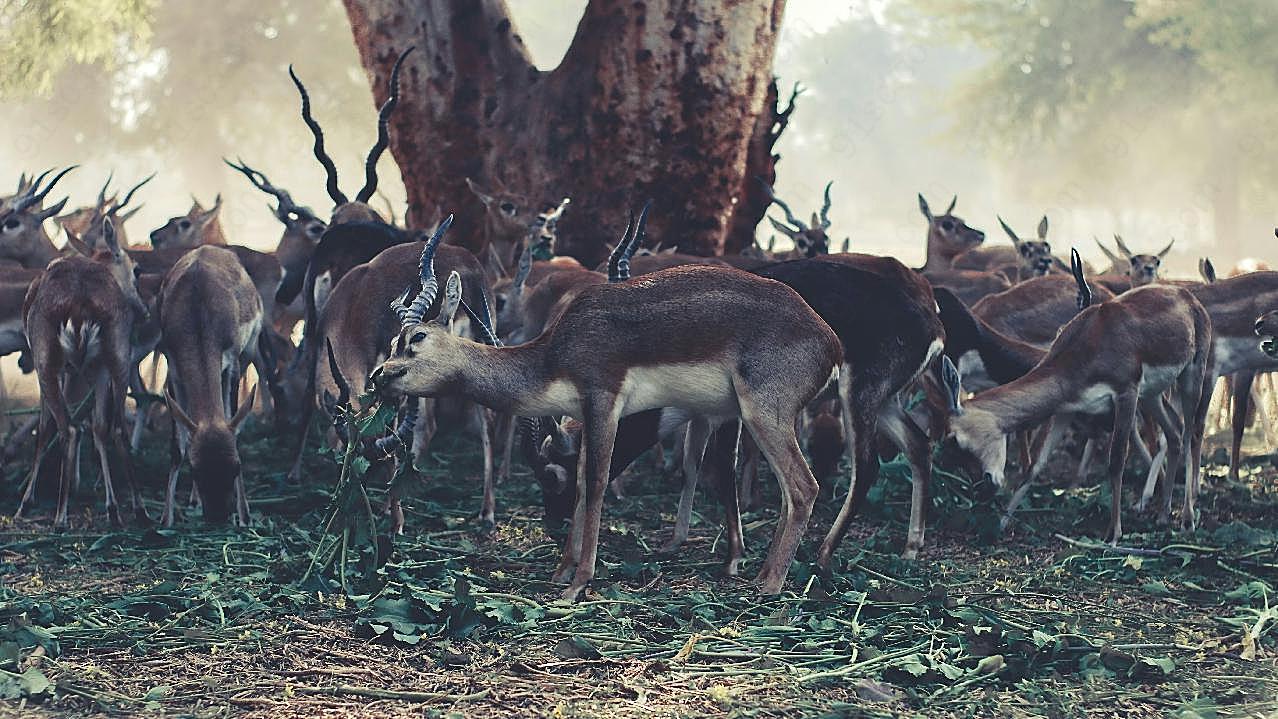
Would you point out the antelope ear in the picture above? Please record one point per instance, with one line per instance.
(176, 410)
(1042, 228)
(783, 228)
(1016, 241)
(108, 236)
(953, 202)
(1122, 246)
(452, 298)
(928, 212)
(953, 385)
(1163, 254)
(525, 267)
(847, 245)
(211, 214)
(1207, 270)
(243, 412)
(484, 198)
(76, 243)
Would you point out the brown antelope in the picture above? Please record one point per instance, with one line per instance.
(513, 221)
(197, 227)
(78, 317)
(1036, 309)
(86, 222)
(302, 232)
(1133, 270)
(714, 341)
(22, 236)
(949, 237)
(1035, 256)
(809, 240)
(1105, 361)
(344, 209)
(210, 317)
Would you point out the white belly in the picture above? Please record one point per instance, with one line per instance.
(1096, 399)
(705, 389)
(1155, 380)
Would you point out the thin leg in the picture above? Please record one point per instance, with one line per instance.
(1241, 396)
(780, 445)
(858, 443)
(749, 453)
(1124, 421)
(506, 430)
(599, 434)
(487, 512)
(695, 436)
(721, 466)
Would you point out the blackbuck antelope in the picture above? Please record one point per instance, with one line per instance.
(1108, 360)
(1035, 255)
(512, 222)
(809, 240)
(86, 222)
(713, 341)
(22, 236)
(1036, 309)
(344, 209)
(197, 227)
(302, 232)
(949, 237)
(211, 318)
(1132, 270)
(78, 317)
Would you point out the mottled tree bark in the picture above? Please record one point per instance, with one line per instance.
(657, 99)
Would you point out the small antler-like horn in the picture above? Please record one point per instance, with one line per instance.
(35, 195)
(789, 215)
(1076, 267)
(330, 170)
(260, 181)
(106, 185)
(825, 207)
(426, 271)
(383, 132)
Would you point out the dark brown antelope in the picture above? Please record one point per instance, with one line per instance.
(1104, 362)
(78, 317)
(210, 317)
(809, 240)
(344, 209)
(714, 341)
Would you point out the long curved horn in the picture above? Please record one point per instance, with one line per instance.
(789, 215)
(399, 306)
(261, 182)
(383, 133)
(636, 241)
(35, 195)
(102, 193)
(1076, 267)
(330, 170)
(124, 203)
(614, 259)
(825, 208)
(426, 270)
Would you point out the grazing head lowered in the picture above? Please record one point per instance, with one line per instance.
(948, 236)
(344, 209)
(809, 240)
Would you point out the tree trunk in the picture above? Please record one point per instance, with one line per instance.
(656, 99)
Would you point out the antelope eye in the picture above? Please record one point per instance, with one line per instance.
(12, 224)
(417, 337)
(508, 208)
(185, 224)
(947, 225)
(315, 230)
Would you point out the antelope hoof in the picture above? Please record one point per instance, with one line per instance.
(487, 524)
(573, 592)
(671, 545)
(910, 553)
(733, 567)
(563, 574)
(769, 584)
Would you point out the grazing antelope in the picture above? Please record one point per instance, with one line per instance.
(78, 317)
(809, 240)
(197, 227)
(1109, 359)
(22, 236)
(210, 318)
(302, 232)
(1036, 309)
(714, 341)
(1035, 255)
(86, 222)
(344, 209)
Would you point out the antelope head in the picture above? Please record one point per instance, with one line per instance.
(426, 357)
(197, 227)
(113, 256)
(1143, 268)
(509, 294)
(975, 442)
(302, 228)
(22, 216)
(214, 456)
(809, 240)
(551, 449)
(87, 222)
(512, 220)
(345, 210)
(948, 233)
(1036, 255)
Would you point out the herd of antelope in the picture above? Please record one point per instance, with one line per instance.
(584, 370)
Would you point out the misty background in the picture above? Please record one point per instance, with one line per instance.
(1144, 117)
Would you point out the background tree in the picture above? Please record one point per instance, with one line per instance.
(652, 100)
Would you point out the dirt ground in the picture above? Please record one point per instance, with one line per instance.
(451, 620)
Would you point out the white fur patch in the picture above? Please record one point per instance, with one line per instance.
(80, 345)
(703, 388)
